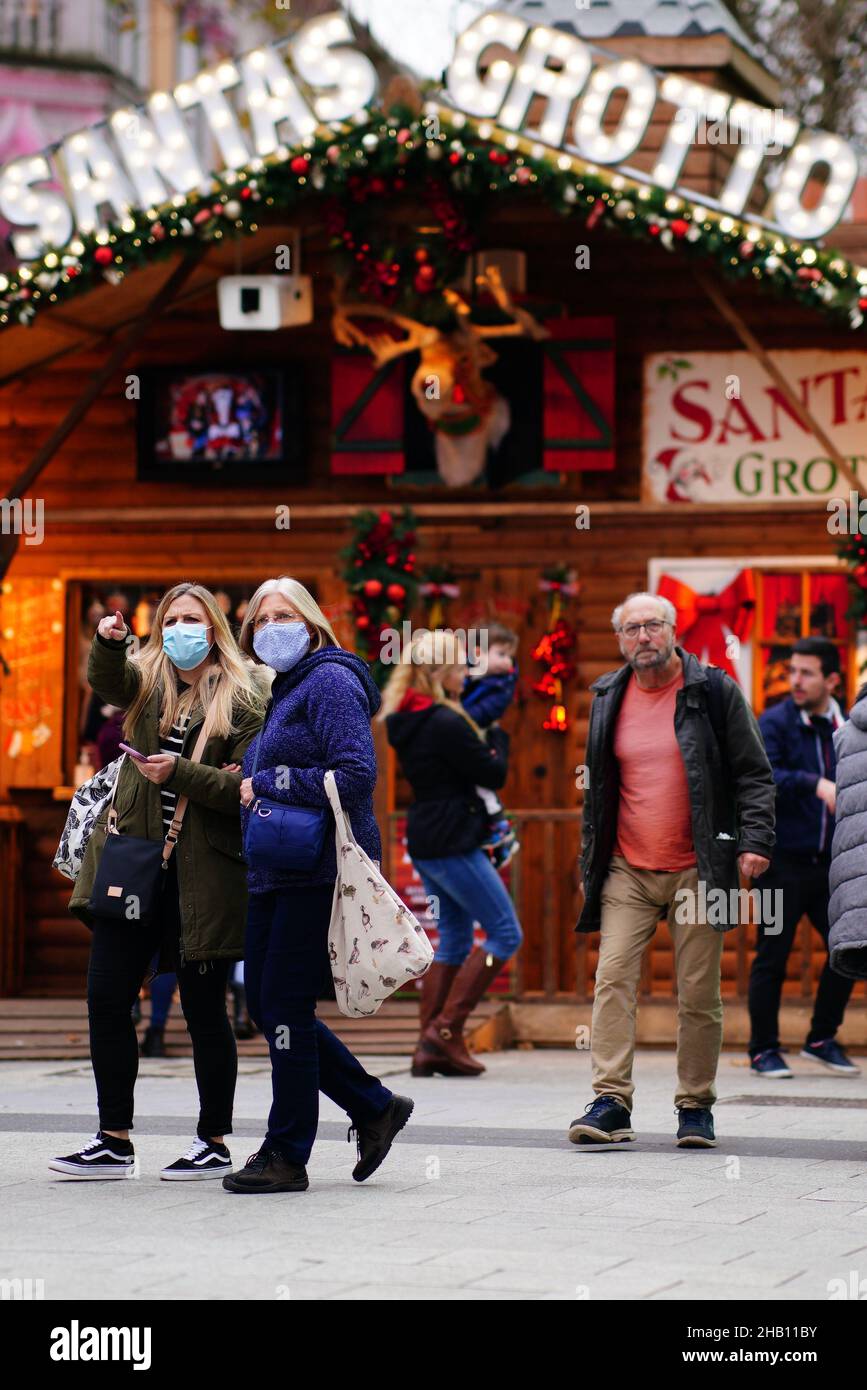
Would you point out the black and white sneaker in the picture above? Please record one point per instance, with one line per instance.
(103, 1157)
(203, 1159)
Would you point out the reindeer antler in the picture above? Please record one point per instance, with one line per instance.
(492, 281)
(381, 346)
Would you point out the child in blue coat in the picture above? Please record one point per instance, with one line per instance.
(488, 692)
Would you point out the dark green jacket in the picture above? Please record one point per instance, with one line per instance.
(210, 865)
(731, 792)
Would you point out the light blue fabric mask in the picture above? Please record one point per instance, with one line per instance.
(281, 645)
(186, 645)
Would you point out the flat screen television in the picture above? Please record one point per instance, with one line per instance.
(230, 424)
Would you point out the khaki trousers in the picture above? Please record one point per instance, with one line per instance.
(633, 901)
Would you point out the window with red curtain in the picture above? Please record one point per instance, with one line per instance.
(793, 604)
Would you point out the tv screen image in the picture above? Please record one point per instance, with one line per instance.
(217, 421)
(221, 416)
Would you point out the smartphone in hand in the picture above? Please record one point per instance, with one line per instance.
(133, 752)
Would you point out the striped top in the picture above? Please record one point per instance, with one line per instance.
(172, 742)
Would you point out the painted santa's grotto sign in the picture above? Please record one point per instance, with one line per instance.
(273, 99)
(717, 428)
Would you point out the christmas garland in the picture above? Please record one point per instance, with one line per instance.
(555, 645)
(853, 551)
(379, 569)
(470, 165)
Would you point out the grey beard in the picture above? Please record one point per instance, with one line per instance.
(663, 655)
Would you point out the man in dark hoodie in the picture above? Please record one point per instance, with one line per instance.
(799, 738)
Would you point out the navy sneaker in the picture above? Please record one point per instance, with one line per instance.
(695, 1129)
(103, 1157)
(498, 832)
(831, 1055)
(203, 1159)
(769, 1064)
(605, 1121)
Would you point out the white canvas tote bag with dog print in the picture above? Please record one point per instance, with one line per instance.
(375, 944)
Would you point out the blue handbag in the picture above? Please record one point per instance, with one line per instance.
(280, 836)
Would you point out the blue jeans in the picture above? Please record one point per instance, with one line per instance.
(162, 993)
(470, 890)
(285, 969)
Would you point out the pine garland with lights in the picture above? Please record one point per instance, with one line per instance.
(853, 552)
(451, 169)
(379, 573)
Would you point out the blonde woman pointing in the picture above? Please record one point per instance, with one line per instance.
(188, 691)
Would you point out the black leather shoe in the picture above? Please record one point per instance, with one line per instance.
(375, 1137)
(153, 1044)
(605, 1121)
(695, 1130)
(268, 1171)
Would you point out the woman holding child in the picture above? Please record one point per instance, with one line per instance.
(448, 760)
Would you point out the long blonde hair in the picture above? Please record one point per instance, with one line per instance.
(423, 662)
(300, 598)
(224, 687)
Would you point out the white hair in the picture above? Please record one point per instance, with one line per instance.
(668, 609)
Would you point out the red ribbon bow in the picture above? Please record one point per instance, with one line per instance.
(701, 618)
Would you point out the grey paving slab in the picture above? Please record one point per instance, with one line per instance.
(481, 1199)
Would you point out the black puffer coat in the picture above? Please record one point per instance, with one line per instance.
(444, 760)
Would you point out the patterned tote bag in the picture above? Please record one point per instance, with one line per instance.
(375, 944)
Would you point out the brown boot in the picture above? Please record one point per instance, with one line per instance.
(435, 985)
(444, 1035)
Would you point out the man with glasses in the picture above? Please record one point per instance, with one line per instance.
(679, 797)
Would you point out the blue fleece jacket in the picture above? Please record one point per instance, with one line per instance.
(318, 718)
(486, 698)
(804, 823)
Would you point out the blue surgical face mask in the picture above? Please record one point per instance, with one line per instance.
(186, 645)
(281, 645)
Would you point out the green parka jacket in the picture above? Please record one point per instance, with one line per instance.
(212, 876)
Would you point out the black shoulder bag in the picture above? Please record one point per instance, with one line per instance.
(129, 877)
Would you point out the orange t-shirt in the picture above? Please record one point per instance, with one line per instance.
(654, 823)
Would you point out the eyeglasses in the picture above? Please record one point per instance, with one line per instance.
(653, 628)
(278, 618)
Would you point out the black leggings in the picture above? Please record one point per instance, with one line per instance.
(119, 958)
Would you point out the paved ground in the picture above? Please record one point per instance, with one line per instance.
(482, 1197)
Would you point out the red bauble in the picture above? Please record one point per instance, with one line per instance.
(454, 157)
(103, 255)
(680, 226)
(421, 255)
(299, 164)
(859, 574)
(362, 621)
(425, 279)
(386, 520)
(654, 229)
(396, 592)
(862, 302)
(246, 192)
(373, 588)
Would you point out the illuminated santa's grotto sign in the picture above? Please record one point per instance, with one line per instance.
(525, 82)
